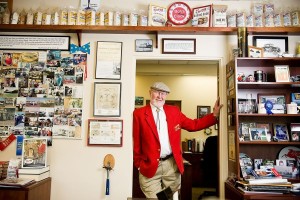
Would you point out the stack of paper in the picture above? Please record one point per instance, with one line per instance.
(37, 174)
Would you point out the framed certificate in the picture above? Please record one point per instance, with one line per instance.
(105, 132)
(107, 99)
(178, 46)
(109, 60)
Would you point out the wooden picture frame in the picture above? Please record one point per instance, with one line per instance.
(105, 132)
(202, 111)
(108, 60)
(107, 99)
(178, 46)
(143, 45)
(272, 46)
(255, 52)
(282, 73)
(6, 4)
(281, 132)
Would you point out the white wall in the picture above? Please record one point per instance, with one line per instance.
(76, 169)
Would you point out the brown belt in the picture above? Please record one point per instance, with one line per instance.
(166, 158)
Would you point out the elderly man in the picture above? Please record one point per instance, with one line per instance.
(156, 141)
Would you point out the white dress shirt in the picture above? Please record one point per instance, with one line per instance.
(162, 129)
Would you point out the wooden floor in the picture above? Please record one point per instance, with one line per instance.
(196, 192)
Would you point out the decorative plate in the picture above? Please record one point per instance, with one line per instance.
(289, 153)
(179, 13)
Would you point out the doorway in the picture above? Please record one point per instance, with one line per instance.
(191, 78)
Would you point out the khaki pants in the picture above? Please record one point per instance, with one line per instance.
(167, 175)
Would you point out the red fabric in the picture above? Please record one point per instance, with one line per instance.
(146, 146)
(7, 141)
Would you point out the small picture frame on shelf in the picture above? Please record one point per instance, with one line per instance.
(281, 132)
(255, 52)
(282, 73)
(278, 101)
(258, 134)
(295, 132)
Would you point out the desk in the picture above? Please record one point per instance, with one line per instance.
(38, 191)
(196, 159)
(234, 194)
(186, 184)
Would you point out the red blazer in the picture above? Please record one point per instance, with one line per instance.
(146, 146)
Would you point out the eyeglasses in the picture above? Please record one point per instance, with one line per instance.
(162, 93)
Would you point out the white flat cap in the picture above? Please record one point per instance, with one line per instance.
(160, 86)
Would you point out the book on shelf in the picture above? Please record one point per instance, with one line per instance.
(272, 180)
(21, 182)
(34, 170)
(36, 177)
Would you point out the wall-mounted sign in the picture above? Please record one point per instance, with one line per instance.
(32, 42)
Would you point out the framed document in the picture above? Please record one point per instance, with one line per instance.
(282, 73)
(272, 46)
(109, 60)
(105, 132)
(107, 99)
(178, 46)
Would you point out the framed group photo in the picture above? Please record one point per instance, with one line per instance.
(107, 99)
(202, 111)
(272, 46)
(258, 134)
(105, 132)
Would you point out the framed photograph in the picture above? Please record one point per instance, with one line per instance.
(6, 4)
(178, 46)
(272, 46)
(107, 99)
(255, 52)
(34, 153)
(202, 110)
(258, 134)
(139, 101)
(145, 45)
(282, 73)
(295, 132)
(281, 132)
(105, 132)
(278, 101)
(108, 60)
(268, 127)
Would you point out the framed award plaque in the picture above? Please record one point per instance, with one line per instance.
(179, 13)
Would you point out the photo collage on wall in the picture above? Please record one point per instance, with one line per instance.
(41, 94)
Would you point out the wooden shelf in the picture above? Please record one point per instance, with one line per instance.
(267, 85)
(262, 115)
(148, 29)
(269, 143)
